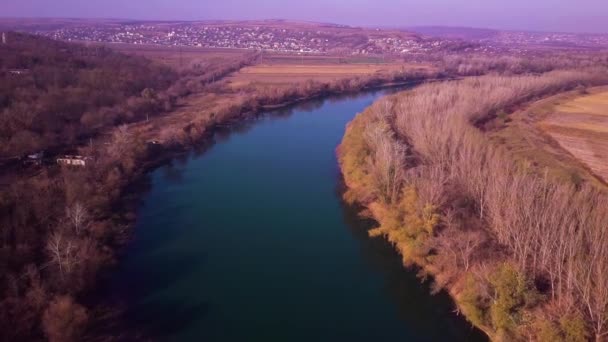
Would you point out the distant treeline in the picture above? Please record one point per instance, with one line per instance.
(525, 256)
(533, 62)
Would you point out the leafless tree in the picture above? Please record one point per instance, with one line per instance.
(62, 250)
(78, 216)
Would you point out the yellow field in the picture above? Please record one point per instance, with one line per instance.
(595, 104)
(580, 126)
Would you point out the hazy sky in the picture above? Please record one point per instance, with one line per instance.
(547, 15)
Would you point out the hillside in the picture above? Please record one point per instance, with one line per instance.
(268, 35)
(517, 39)
(54, 94)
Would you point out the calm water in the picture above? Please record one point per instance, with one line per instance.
(249, 241)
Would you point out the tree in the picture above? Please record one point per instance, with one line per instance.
(63, 252)
(78, 217)
(461, 244)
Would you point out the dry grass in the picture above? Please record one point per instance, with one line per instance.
(596, 104)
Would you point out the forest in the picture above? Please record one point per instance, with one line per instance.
(524, 255)
(55, 94)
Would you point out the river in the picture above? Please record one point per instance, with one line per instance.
(249, 241)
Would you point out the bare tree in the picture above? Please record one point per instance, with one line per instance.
(461, 243)
(121, 142)
(62, 250)
(548, 229)
(77, 216)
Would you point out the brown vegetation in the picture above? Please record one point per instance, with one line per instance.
(523, 254)
(55, 94)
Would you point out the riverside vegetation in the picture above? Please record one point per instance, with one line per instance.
(525, 256)
(60, 225)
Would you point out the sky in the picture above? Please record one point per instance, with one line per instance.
(536, 15)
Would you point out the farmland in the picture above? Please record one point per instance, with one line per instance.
(269, 73)
(562, 136)
(277, 69)
(580, 126)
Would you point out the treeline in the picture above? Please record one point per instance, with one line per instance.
(200, 76)
(533, 62)
(525, 257)
(54, 93)
(251, 99)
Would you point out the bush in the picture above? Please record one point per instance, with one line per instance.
(64, 320)
(470, 302)
(512, 291)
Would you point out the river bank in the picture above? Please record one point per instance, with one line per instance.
(473, 218)
(146, 157)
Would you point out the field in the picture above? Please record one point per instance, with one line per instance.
(283, 74)
(580, 126)
(565, 136)
(271, 71)
(179, 58)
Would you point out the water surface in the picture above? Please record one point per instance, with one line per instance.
(249, 241)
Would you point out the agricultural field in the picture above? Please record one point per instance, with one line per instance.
(580, 126)
(564, 136)
(275, 69)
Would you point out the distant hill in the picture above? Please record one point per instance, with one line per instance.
(466, 33)
(270, 35)
(514, 38)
